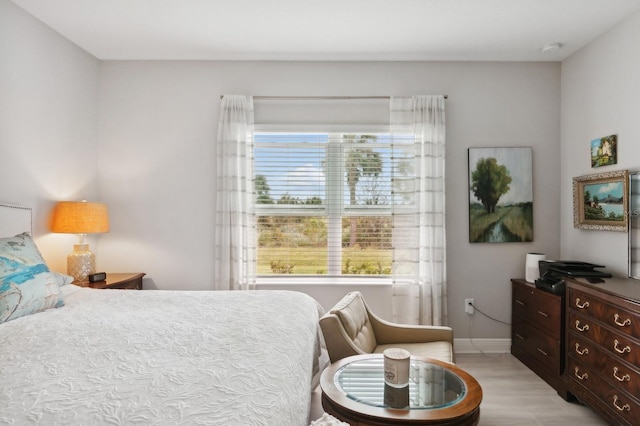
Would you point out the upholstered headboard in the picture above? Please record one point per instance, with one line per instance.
(15, 220)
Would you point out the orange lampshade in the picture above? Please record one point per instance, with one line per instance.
(80, 217)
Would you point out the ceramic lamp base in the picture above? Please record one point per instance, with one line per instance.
(81, 262)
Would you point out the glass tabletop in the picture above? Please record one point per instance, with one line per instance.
(430, 386)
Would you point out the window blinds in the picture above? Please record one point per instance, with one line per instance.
(324, 200)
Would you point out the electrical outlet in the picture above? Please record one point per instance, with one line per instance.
(468, 306)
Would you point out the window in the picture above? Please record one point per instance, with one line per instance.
(324, 201)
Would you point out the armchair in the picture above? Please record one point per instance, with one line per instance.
(351, 328)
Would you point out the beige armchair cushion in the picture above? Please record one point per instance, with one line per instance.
(350, 328)
(439, 350)
(354, 318)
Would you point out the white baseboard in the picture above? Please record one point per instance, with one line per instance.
(472, 346)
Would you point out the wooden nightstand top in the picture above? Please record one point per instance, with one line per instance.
(118, 280)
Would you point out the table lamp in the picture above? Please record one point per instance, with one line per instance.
(82, 218)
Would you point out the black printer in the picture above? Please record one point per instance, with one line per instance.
(553, 273)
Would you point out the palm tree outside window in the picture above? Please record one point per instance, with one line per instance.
(323, 203)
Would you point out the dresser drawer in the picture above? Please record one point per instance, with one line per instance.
(615, 343)
(542, 347)
(616, 401)
(540, 307)
(617, 317)
(612, 370)
(622, 377)
(586, 351)
(582, 374)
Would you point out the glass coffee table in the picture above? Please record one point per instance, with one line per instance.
(439, 393)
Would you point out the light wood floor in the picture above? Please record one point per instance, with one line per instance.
(512, 395)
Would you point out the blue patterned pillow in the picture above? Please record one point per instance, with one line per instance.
(26, 284)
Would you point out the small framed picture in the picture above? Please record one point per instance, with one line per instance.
(601, 201)
(604, 151)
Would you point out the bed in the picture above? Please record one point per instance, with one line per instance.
(158, 357)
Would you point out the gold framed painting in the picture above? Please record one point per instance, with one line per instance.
(601, 201)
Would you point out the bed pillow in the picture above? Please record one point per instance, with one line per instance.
(62, 279)
(26, 284)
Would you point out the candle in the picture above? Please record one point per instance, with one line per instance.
(396, 367)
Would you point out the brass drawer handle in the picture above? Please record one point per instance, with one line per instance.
(542, 352)
(519, 336)
(581, 306)
(624, 407)
(584, 351)
(625, 323)
(583, 328)
(543, 314)
(626, 349)
(624, 378)
(583, 376)
(519, 302)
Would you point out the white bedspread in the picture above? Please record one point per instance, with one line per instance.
(161, 357)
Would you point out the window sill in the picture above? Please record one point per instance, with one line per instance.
(323, 281)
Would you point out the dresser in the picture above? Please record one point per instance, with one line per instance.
(537, 332)
(603, 347)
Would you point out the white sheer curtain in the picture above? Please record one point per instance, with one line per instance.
(419, 264)
(235, 249)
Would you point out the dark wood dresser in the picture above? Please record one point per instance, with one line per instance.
(603, 347)
(537, 332)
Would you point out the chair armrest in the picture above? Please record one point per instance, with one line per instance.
(339, 344)
(388, 333)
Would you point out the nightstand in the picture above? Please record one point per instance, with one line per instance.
(120, 281)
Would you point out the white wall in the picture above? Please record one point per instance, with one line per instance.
(47, 123)
(154, 148)
(157, 131)
(140, 135)
(600, 97)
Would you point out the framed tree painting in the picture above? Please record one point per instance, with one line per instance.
(601, 201)
(500, 195)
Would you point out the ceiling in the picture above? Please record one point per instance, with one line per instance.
(380, 30)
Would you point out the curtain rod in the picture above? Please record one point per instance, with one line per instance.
(317, 98)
